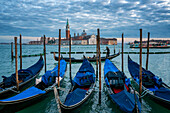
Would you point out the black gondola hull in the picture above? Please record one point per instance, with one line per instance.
(89, 59)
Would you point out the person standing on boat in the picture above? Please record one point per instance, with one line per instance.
(108, 51)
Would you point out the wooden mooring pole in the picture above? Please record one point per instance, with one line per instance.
(12, 55)
(147, 58)
(70, 59)
(98, 34)
(140, 73)
(20, 51)
(97, 57)
(59, 57)
(45, 54)
(16, 63)
(122, 51)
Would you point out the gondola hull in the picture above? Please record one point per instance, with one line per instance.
(162, 101)
(11, 91)
(119, 89)
(82, 89)
(89, 59)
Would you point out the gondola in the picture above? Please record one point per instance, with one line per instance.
(91, 59)
(152, 85)
(119, 89)
(26, 79)
(44, 85)
(82, 89)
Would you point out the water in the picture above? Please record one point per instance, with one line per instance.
(158, 63)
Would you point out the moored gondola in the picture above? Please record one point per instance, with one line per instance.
(91, 59)
(26, 78)
(119, 89)
(152, 85)
(44, 85)
(83, 87)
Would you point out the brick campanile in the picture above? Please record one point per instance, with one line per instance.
(67, 30)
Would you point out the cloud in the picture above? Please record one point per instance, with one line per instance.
(38, 17)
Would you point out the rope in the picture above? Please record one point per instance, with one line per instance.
(145, 92)
(14, 91)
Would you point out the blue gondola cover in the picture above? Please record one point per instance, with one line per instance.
(163, 93)
(32, 91)
(49, 75)
(85, 75)
(110, 67)
(126, 101)
(24, 74)
(74, 97)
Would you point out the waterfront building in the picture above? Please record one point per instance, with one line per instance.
(82, 39)
(108, 41)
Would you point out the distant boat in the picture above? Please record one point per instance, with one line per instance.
(26, 78)
(35, 93)
(152, 85)
(151, 45)
(91, 59)
(82, 89)
(119, 89)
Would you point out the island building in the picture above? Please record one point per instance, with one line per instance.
(82, 39)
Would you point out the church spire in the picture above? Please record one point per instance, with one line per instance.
(67, 22)
(67, 30)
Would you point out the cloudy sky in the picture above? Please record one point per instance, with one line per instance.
(33, 18)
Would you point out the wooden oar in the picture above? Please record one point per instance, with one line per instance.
(57, 98)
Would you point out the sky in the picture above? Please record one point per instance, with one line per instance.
(35, 18)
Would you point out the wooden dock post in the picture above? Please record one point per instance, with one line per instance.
(20, 51)
(12, 55)
(59, 57)
(140, 73)
(122, 51)
(97, 57)
(98, 34)
(45, 54)
(70, 59)
(16, 63)
(147, 58)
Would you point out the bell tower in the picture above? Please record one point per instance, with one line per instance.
(67, 30)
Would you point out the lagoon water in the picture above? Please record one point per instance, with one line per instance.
(159, 64)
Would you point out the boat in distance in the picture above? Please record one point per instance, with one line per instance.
(119, 89)
(91, 59)
(26, 79)
(44, 86)
(152, 85)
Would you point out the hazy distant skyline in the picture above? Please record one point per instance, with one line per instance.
(34, 18)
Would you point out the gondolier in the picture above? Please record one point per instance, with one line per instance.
(108, 51)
